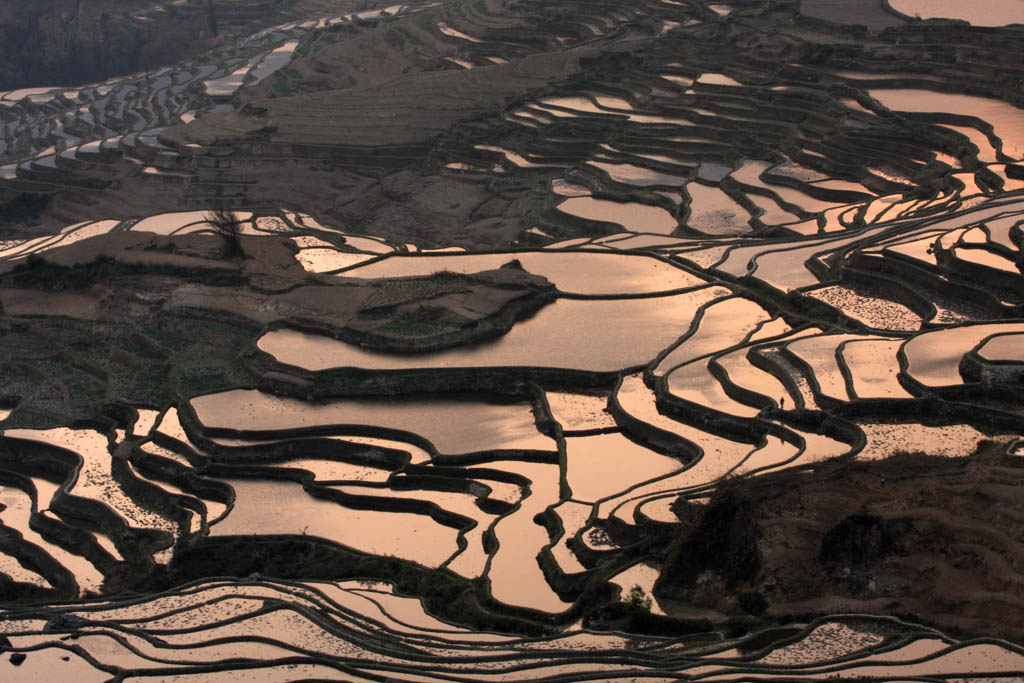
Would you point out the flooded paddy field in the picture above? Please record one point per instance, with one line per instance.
(532, 341)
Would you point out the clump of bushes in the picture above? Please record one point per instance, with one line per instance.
(24, 208)
(38, 273)
(752, 602)
(721, 540)
(638, 598)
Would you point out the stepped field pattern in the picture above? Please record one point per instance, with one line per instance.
(530, 296)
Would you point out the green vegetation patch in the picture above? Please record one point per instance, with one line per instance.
(405, 327)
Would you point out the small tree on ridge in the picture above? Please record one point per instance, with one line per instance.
(228, 225)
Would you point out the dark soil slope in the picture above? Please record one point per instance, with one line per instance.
(942, 539)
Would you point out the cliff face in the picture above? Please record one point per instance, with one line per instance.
(67, 42)
(60, 42)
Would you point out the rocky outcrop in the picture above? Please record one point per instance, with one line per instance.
(68, 42)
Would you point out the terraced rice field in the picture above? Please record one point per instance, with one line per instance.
(572, 271)
(347, 630)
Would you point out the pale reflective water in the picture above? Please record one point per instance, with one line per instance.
(933, 358)
(589, 273)
(409, 536)
(603, 465)
(1005, 347)
(977, 12)
(602, 335)
(452, 426)
(714, 212)
(630, 215)
(1007, 120)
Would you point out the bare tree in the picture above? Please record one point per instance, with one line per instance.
(228, 225)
